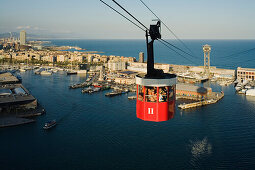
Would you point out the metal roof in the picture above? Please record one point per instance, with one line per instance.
(192, 88)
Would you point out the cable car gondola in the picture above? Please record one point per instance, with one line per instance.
(155, 90)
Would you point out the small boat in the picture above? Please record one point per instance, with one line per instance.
(71, 72)
(250, 92)
(243, 91)
(124, 91)
(46, 73)
(96, 89)
(248, 87)
(86, 90)
(105, 88)
(50, 124)
(54, 70)
(238, 87)
(82, 72)
(131, 97)
(97, 85)
(111, 94)
(22, 70)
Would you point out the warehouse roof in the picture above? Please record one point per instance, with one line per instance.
(192, 88)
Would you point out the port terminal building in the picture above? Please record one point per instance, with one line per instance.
(13, 95)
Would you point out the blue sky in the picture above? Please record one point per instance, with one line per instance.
(90, 19)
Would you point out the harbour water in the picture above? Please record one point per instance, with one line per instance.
(97, 132)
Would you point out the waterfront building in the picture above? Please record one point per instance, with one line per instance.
(142, 67)
(104, 58)
(193, 91)
(123, 80)
(117, 66)
(62, 58)
(101, 74)
(23, 37)
(96, 60)
(244, 74)
(141, 57)
(14, 95)
(90, 58)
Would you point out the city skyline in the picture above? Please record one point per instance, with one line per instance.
(231, 19)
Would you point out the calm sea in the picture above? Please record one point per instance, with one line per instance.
(96, 132)
(225, 53)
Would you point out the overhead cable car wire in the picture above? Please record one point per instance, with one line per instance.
(243, 61)
(122, 15)
(144, 27)
(130, 14)
(236, 54)
(178, 48)
(162, 42)
(168, 28)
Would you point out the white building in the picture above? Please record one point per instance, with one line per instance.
(245, 74)
(117, 66)
(90, 58)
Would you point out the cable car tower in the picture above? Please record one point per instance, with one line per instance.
(207, 50)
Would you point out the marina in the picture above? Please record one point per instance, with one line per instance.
(126, 85)
(90, 122)
(81, 118)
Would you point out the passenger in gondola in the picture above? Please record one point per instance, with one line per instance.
(140, 93)
(140, 97)
(162, 94)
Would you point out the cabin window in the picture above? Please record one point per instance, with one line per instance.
(151, 94)
(140, 92)
(162, 94)
(171, 93)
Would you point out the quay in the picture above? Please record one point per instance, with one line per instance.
(14, 121)
(201, 103)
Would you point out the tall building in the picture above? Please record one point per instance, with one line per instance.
(141, 57)
(22, 37)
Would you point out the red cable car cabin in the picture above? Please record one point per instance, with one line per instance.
(155, 97)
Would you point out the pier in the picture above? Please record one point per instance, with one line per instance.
(201, 103)
(14, 121)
